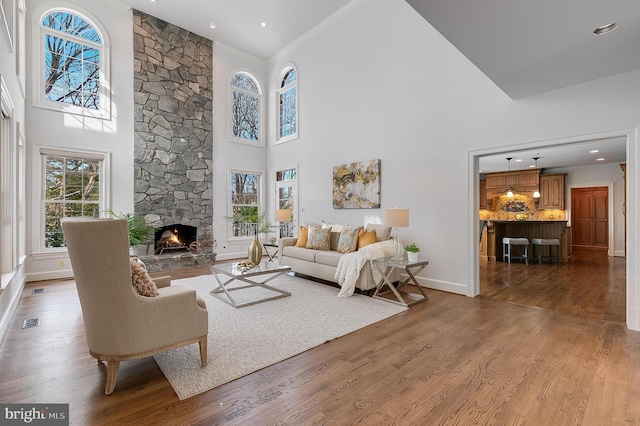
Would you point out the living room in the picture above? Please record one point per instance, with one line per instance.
(375, 81)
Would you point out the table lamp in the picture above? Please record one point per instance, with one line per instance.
(282, 215)
(397, 218)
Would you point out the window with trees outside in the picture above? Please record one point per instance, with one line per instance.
(72, 187)
(246, 203)
(73, 64)
(246, 109)
(288, 105)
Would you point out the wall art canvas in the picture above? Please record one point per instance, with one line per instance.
(357, 185)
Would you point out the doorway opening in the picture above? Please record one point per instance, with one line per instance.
(625, 272)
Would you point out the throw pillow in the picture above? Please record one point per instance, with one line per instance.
(302, 237)
(366, 238)
(382, 232)
(348, 241)
(141, 281)
(319, 239)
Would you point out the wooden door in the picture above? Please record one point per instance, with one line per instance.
(589, 216)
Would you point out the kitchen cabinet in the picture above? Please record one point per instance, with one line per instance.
(552, 192)
(483, 195)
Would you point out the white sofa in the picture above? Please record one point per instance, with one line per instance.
(323, 264)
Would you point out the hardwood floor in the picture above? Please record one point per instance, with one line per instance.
(592, 284)
(451, 360)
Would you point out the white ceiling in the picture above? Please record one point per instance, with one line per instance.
(562, 156)
(238, 21)
(525, 47)
(528, 47)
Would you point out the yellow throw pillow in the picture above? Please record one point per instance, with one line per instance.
(302, 237)
(366, 238)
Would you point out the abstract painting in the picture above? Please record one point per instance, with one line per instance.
(357, 185)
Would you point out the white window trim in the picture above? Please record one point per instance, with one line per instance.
(38, 60)
(105, 184)
(260, 95)
(280, 90)
(261, 198)
(7, 23)
(8, 247)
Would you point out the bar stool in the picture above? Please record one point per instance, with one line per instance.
(554, 249)
(507, 242)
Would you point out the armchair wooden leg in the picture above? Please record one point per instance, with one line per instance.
(112, 376)
(203, 351)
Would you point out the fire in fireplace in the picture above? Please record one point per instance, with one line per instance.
(174, 237)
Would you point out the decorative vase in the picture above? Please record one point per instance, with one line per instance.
(412, 256)
(255, 250)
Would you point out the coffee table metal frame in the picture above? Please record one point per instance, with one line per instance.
(236, 273)
(388, 265)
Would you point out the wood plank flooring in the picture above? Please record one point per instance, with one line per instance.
(592, 284)
(452, 360)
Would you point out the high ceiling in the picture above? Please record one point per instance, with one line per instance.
(524, 47)
(529, 47)
(237, 22)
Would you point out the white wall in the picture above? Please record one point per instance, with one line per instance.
(60, 130)
(382, 83)
(228, 155)
(13, 282)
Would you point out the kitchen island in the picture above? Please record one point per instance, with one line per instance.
(498, 229)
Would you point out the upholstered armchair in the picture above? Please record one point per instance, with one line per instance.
(120, 324)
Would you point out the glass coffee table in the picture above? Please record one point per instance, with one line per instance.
(235, 272)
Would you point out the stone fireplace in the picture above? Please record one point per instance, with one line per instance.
(173, 147)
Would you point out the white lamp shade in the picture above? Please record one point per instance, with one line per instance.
(396, 217)
(283, 215)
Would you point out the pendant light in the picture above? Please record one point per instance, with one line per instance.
(536, 193)
(510, 191)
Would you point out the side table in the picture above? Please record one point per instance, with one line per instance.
(271, 256)
(389, 265)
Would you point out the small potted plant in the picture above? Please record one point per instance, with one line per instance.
(412, 252)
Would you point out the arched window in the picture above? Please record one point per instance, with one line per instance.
(246, 109)
(288, 105)
(73, 63)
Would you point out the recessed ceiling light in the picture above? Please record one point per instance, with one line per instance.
(594, 151)
(153, 1)
(519, 160)
(605, 29)
(263, 24)
(212, 26)
(599, 159)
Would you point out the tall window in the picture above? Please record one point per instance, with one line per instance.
(246, 202)
(72, 187)
(288, 105)
(286, 198)
(74, 69)
(246, 109)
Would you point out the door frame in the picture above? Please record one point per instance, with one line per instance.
(632, 260)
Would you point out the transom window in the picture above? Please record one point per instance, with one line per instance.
(246, 109)
(72, 187)
(288, 105)
(73, 64)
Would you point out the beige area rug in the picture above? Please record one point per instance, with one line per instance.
(244, 340)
